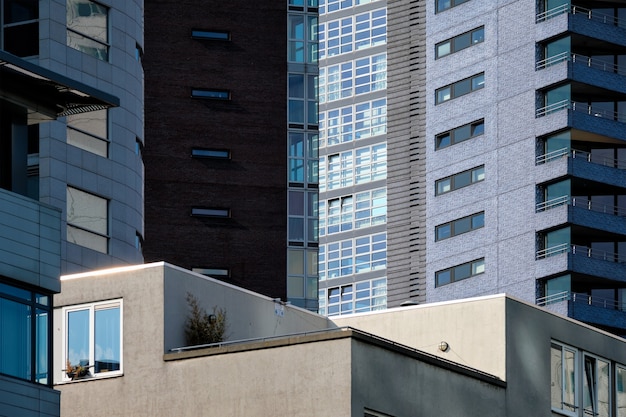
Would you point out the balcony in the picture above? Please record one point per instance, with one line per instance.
(586, 308)
(581, 259)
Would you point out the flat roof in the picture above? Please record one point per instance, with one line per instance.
(45, 93)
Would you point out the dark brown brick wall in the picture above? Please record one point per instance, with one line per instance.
(252, 125)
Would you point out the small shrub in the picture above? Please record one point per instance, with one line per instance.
(202, 328)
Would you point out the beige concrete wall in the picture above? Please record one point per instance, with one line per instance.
(475, 330)
(284, 381)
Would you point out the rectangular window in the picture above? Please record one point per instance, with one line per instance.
(460, 180)
(460, 226)
(459, 88)
(214, 35)
(563, 380)
(460, 42)
(210, 212)
(448, 4)
(92, 340)
(19, 27)
(213, 272)
(89, 131)
(596, 386)
(459, 272)
(210, 94)
(88, 28)
(210, 153)
(87, 220)
(459, 134)
(25, 329)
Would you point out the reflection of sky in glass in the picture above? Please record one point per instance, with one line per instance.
(107, 334)
(78, 336)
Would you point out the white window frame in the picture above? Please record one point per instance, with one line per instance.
(576, 386)
(92, 307)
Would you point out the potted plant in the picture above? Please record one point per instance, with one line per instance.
(76, 371)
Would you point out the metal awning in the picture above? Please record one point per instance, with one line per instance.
(47, 94)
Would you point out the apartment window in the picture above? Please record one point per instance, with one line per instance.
(448, 4)
(352, 33)
(210, 94)
(92, 339)
(87, 220)
(355, 298)
(25, 329)
(88, 28)
(596, 386)
(563, 381)
(302, 108)
(303, 212)
(19, 27)
(302, 278)
(460, 180)
(354, 122)
(620, 390)
(210, 212)
(303, 159)
(459, 272)
(210, 153)
(460, 42)
(459, 134)
(459, 88)
(460, 226)
(302, 37)
(213, 35)
(353, 256)
(89, 131)
(213, 272)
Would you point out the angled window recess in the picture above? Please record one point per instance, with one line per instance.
(211, 94)
(212, 272)
(210, 153)
(210, 212)
(213, 35)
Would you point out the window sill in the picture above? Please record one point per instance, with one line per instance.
(91, 378)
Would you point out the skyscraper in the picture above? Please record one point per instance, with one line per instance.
(71, 181)
(231, 165)
(353, 156)
(518, 126)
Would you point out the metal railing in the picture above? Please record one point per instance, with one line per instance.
(580, 250)
(579, 59)
(585, 156)
(581, 108)
(591, 15)
(584, 203)
(607, 303)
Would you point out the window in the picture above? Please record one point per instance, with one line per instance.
(92, 338)
(354, 122)
(563, 381)
(214, 35)
(361, 76)
(302, 278)
(352, 33)
(302, 91)
(213, 272)
(210, 94)
(354, 298)
(460, 226)
(459, 134)
(447, 4)
(353, 256)
(596, 386)
(303, 159)
(302, 37)
(460, 42)
(88, 28)
(460, 180)
(25, 329)
(19, 27)
(87, 220)
(210, 153)
(210, 212)
(459, 272)
(459, 88)
(89, 131)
